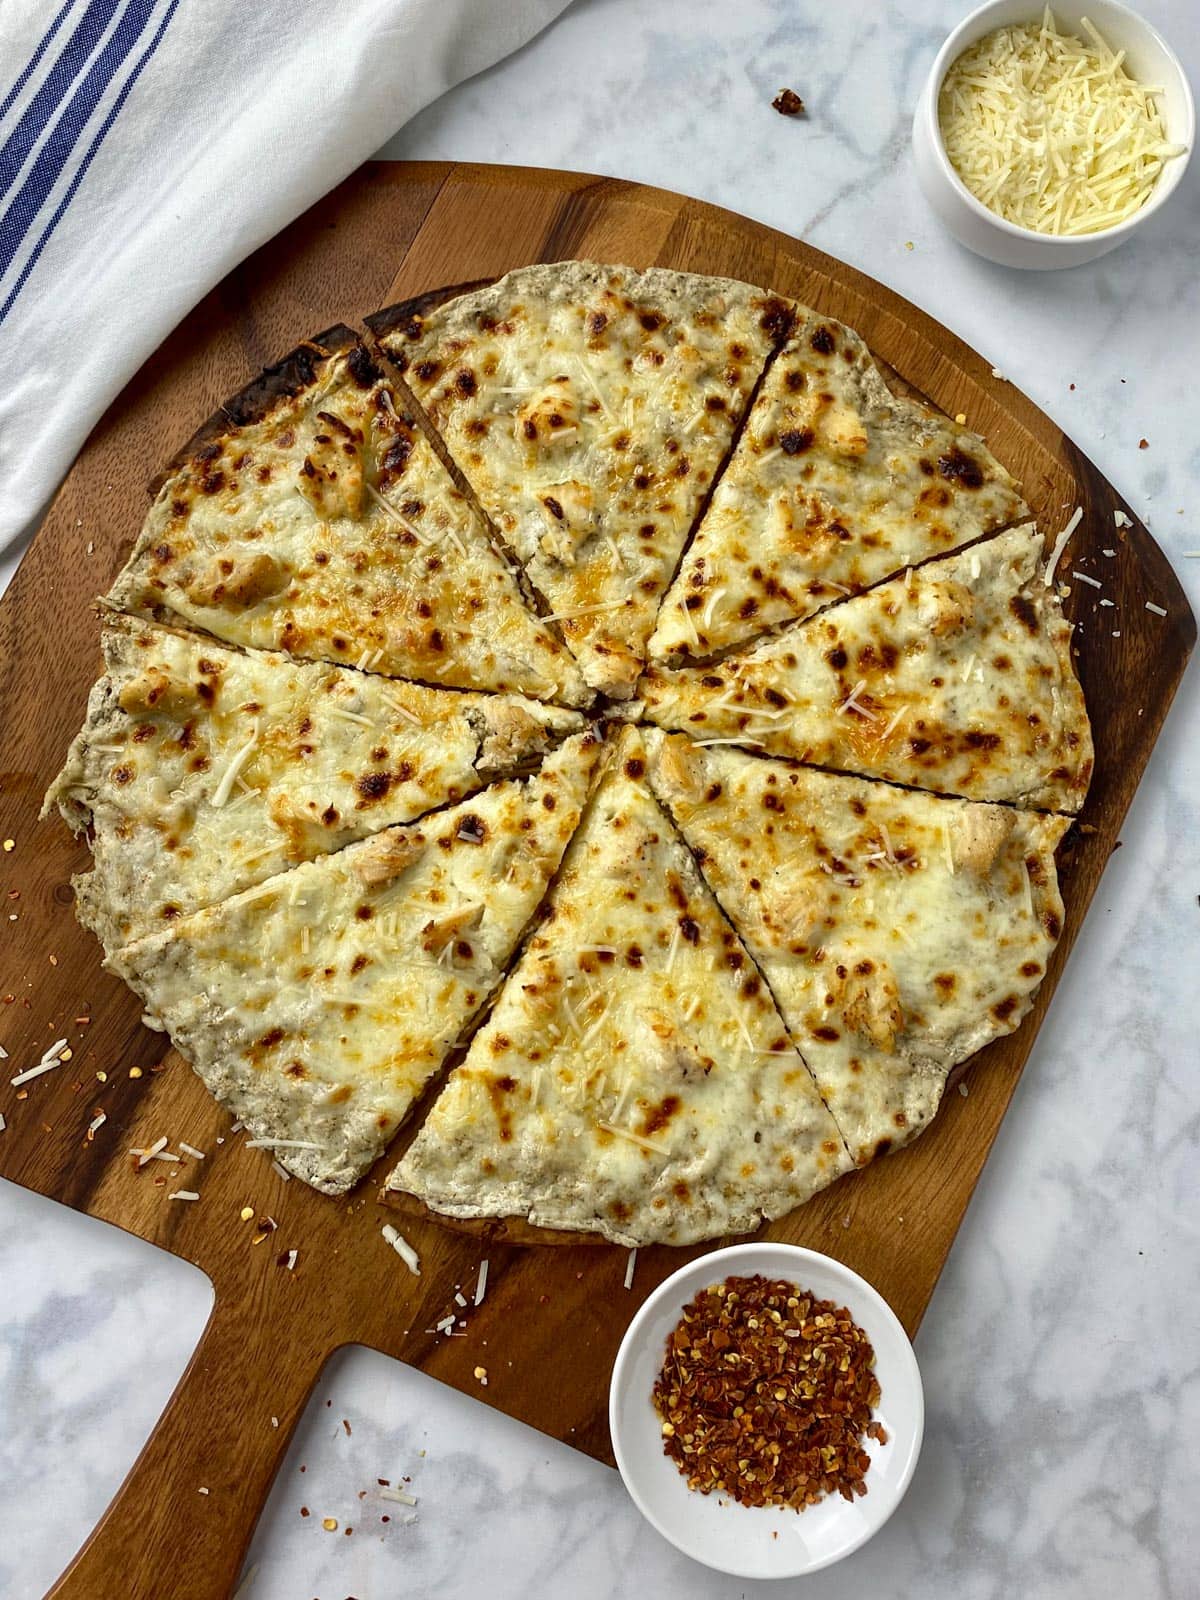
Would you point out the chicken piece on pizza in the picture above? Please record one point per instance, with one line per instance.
(317, 1005)
(311, 515)
(836, 483)
(634, 1078)
(201, 771)
(900, 932)
(589, 408)
(957, 677)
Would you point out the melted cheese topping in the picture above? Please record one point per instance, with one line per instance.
(332, 530)
(184, 809)
(589, 408)
(635, 1078)
(835, 484)
(1050, 131)
(899, 932)
(317, 1005)
(956, 678)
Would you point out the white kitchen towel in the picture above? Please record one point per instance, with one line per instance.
(147, 146)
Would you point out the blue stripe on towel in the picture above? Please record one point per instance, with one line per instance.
(35, 60)
(51, 92)
(81, 172)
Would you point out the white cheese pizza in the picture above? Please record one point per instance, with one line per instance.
(201, 770)
(836, 483)
(634, 1079)
(318, 1005)
(313, 516)
(589, 408)
(956, 677)
(899, 932)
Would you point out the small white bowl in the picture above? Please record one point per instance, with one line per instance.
(1149, 58)
(764, 1542)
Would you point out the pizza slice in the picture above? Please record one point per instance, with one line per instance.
(317, 1005)
(590, 407)
(957, 677)
(900, 932)
(201, 771)
(836, 483)
(311, 515)
(634, 1078)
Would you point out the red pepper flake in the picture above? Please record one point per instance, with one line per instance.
(788, 103)
(304, 1511)
(766, 1394)
(1143, 444)
(346, 1425)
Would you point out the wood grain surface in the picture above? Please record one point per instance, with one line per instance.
(390, 232)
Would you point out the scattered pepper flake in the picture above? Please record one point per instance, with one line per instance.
(246, 1213)
(766, 1394)
(1143, 444)
(135, 1072)
(329, 1524)
(481, 1375)
(788, 103)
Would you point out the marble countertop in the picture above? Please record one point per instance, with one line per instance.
(1059, 1352)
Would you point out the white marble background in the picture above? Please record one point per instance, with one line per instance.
(1060, 1354)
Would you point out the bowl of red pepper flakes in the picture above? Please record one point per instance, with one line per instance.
(766, 1410)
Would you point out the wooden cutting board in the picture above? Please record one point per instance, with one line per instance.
(391, 231)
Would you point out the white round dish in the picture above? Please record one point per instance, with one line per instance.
(1149, 58)
(764, 1542)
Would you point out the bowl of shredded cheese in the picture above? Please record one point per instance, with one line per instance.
(1043, 138)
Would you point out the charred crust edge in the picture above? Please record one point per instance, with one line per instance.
(299, 370)
(391, 319)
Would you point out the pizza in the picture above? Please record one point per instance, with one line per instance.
(201, 770)
(312, 515)
(898, 931)
(317, 1005)
(955, 676)
(634, 1078)
(836, 484)
(589, 408)
(598, 725)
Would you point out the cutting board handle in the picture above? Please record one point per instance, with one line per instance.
(161, 1535)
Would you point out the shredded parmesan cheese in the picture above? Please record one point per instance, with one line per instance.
(229, 777)
(634, 1138)
(481, 1282)
(630, 1268)
(1158, 611)
(1060, 544)
(405, 1251)
(1050, 132)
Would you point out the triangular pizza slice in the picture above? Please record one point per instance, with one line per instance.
(318, 1005)
(311, 515)
(899, 931)
(634, 1078)
(956, 677)
(589, 408)
(201, 770)
(836, 483)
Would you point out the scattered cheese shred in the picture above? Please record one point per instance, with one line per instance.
(282, 1144)
(405, 1251)
(1050, 132)
(630, 1268)
(3, 1124)
(399, 1496)
(634, 1138)
(1060, 544)
(1158, 611)
(229, 777)
(143, 1156)
(481, 1282)
(1121, 520)
(190, 1150)
(1083, 578)
(184, 1194)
